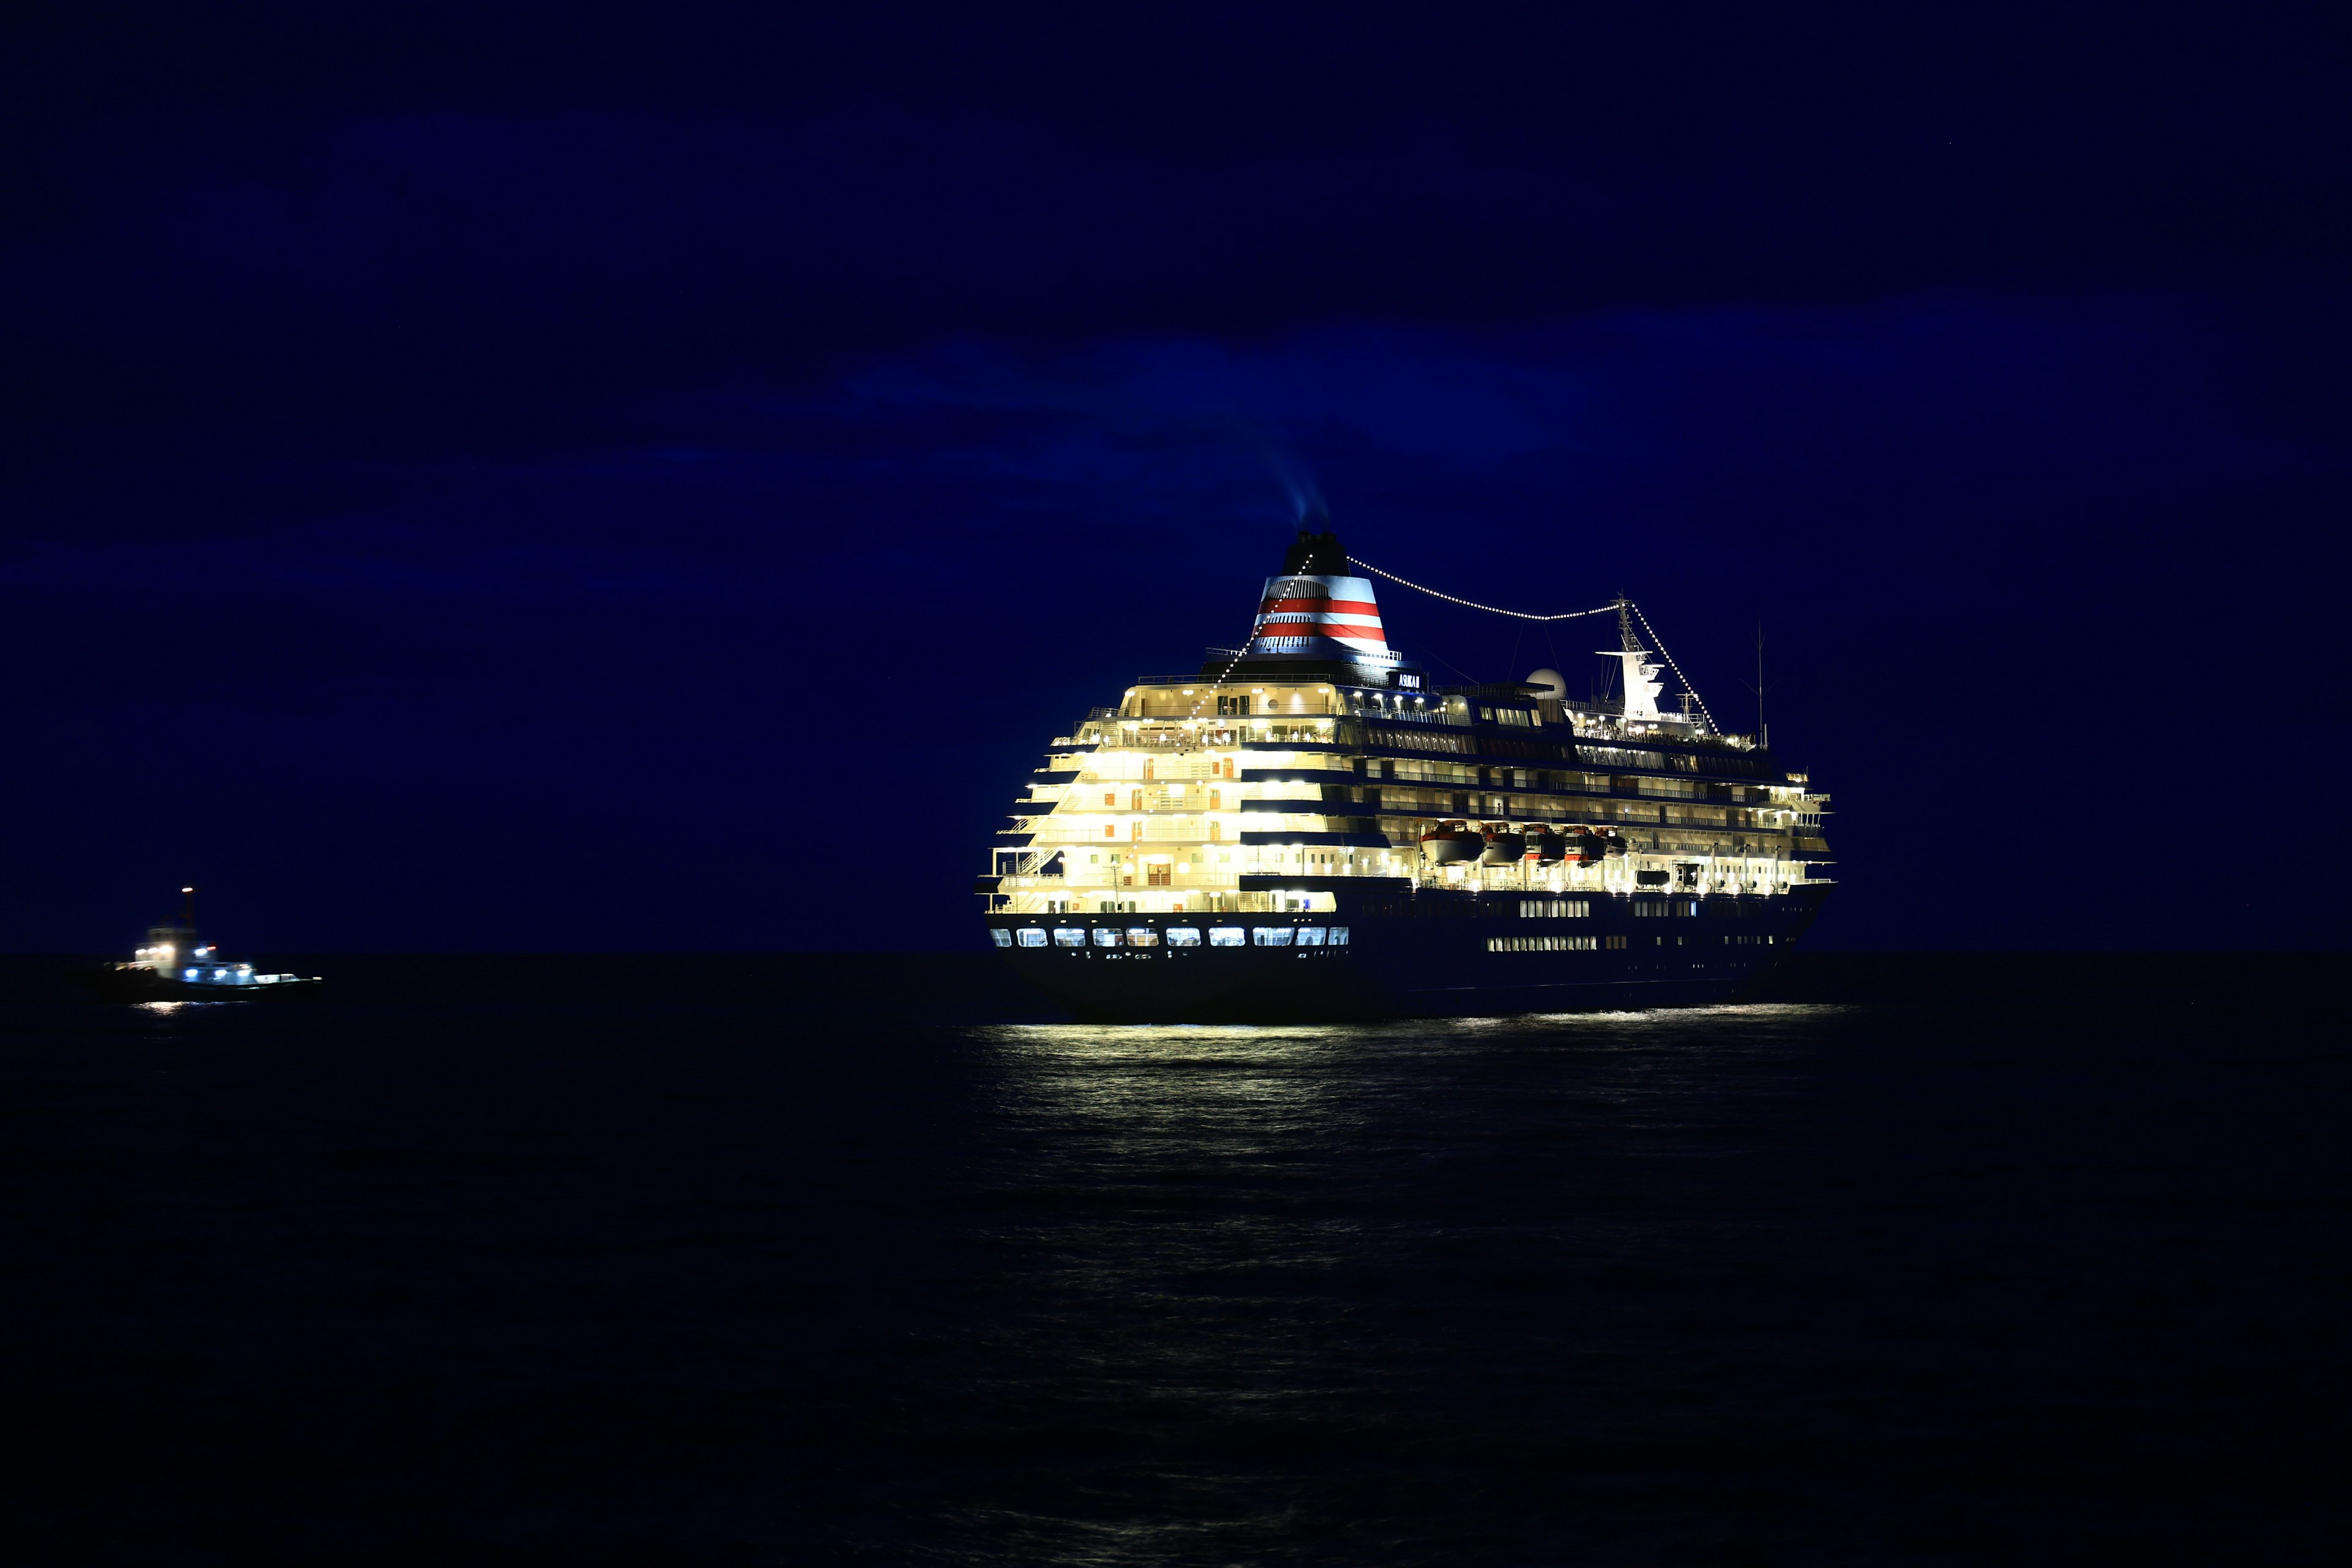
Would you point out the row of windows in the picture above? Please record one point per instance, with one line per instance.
(1712, 762)
(1554, 909)
(1414, 741)
(1621, 757)
(1299, 936)
(1403, 801)
(1437, 906)
(1588, 945)
(1175, 936)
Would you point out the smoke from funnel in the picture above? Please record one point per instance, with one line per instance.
(1298, 483)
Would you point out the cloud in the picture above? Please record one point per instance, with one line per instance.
(1732, 431)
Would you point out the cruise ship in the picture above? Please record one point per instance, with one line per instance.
(1309, 828)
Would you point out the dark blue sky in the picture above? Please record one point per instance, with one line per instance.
(507, 477)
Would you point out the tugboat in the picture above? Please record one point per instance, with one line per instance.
(175, 967)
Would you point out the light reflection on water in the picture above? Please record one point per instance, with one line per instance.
(1259, 1240)
(1225, 1085)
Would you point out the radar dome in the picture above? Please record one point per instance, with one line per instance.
(1552, 679)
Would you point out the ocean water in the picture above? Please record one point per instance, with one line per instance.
(813, 1260)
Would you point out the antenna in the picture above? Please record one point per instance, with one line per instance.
(1763, 734)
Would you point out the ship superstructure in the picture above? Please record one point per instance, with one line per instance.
(1310, 827)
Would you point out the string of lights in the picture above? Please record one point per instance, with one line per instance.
(1660, 642)
(1568, 615)
(1472, 605)
(1221, 674)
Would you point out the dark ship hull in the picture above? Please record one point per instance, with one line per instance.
(1431, 955)
(135, 985)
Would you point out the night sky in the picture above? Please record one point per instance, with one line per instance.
(504, 476)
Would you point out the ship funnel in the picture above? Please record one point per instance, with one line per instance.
(1316, 610)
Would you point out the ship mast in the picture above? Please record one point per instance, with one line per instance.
(1641, 688)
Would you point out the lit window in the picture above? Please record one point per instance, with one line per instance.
(1339, 936)
(1227, 936)
(1142, 936)
(1183, 936)
(1069, 936)
(1554, 909)
(1310, 936)
(1000, 936)
(1106, 936)
(1031, 936)
(1271, 936)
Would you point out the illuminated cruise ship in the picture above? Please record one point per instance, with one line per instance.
(1309, 828)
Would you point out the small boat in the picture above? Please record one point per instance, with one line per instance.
(1545, 846)
(1504, 849)
(177, 966)
(1590, 847)
(1450, 844)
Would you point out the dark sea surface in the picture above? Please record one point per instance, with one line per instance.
(861, 1260)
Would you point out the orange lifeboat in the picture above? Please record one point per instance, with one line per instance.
(1450, 844)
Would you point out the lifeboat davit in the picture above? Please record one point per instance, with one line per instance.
(1450, 844)
(1504, 850)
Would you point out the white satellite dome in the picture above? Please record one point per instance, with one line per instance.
(1553, 680)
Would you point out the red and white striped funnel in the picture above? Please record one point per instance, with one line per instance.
(1317, 618)
(1315, 611)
